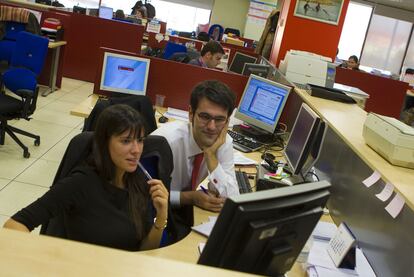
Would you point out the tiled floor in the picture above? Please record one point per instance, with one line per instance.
(23, 180)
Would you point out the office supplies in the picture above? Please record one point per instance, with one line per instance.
(330, 94)
(124, 74)
(240, 159)
(239, 59)
(386, 192)
(372, 179)
(342, 246)
(390, 138)
(144, 171)
(106, 12)
(324, 231)
(205, 228)
(243, 182)
(163, 119)
(396, 205)
(308, 68)
(260, 108)
(264, 232)
(261, 70)
(204, 190)
(176, 114)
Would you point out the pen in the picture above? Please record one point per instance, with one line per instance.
(204, 190)
(145, 171)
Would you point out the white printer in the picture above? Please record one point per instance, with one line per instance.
(308, 68)
(391, 138)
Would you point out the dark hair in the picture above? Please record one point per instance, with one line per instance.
(216, 92)
(115, 120)
(119, 14)
(213, 47)
(353, 57)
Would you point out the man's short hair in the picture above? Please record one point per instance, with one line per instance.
(213, 47)
(214, 91)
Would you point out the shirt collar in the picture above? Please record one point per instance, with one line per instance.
(202, 63)
(193, 148)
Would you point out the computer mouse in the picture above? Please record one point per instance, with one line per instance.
(162, 119)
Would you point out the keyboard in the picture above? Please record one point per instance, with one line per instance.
(243, 182)
(243, 143)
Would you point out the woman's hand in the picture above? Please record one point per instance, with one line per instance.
(159, 196)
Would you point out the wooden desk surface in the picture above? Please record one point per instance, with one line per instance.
(348, 121)
(55, 44)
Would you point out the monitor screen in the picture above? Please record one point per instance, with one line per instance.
(264, 232)
(106, 12)
(125, 74)
(237, 64)
(262, 103)
(256, 69)
(316, 148)
(301, 138)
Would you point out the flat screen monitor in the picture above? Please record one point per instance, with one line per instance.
(264, 232)
(237, 64)
(315, 149)
(256, 69)
(301, 138)
(262, 103)
(106, 12)
(125, 74)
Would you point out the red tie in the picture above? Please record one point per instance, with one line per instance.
(196, 168)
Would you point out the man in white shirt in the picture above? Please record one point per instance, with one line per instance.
(205, 137)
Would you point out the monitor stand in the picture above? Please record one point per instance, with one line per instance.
(254, 133)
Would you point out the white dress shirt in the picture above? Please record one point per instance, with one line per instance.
(184, 148)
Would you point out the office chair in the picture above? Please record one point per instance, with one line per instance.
(172, 48)
(8, 42)
(26, 64)
(156, 158)
(180, 57)
(141, 103)
(216, 35)
(232, 31)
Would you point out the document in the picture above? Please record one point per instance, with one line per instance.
(386, 192)
(372, 179)
(240, 159)
(324, 231)
(201, 247)
(396, 205)
(176, 114)
(205, 228)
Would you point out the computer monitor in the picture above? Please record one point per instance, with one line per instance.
(262, 103)
(106, 12)
(256, 69)
(80, 10)
(125, 74)
(316, 148)
(302, 137)
(264, 232)
(237, 64)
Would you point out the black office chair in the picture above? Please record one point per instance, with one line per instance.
(180, 57)
(26, 64)
(141, 103)
(156, 158)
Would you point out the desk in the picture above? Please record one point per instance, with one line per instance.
(55, 47)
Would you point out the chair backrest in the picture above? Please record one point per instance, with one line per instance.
(13, 29)
(172, 48)
(156, 158)
(180, 57)
(30, 52)
(141, 103)
(211, 32)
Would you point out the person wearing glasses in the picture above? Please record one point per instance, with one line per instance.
(105, 200)
(202, 148)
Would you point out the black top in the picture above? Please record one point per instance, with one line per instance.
(94, 211)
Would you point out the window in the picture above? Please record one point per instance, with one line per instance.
(82, 3)
(354, 30)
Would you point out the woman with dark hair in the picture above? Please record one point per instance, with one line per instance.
(352, 63)
(106, 200)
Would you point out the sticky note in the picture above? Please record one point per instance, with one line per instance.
(372, 179)
(396, 205)
(386, 192)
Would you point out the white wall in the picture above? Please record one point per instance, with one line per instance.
(230, 13)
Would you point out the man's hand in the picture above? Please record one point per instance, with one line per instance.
(202, 200)
(210, 153)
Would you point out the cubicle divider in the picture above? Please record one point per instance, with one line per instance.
(174, 80)
(160, 40)
(386, 96)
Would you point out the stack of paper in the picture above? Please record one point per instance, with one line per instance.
(206, 228)
(240, 159)
(176, 114)
(324, 231)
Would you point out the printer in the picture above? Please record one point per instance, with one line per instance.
(391, 138)
(308, 68)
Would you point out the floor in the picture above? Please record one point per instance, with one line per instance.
(23, 180)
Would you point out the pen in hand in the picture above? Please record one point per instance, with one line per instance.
(144, 171)
(204, 190)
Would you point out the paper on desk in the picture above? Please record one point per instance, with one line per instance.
(201, 247)
(386, 192)
(324, 230)
(176, 114)
(205, 228)
(396, 205)
(240, 159)
(372, 179)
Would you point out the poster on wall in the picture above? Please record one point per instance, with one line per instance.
(328, 11)
(259, 12)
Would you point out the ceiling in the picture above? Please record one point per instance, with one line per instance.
(407, 5)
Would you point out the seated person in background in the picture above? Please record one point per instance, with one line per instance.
(139, 10)
(119, 14)
(352, 63)
(202, 148)
(105, 200)
(210, 55)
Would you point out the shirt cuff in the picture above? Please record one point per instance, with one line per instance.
(218, 179)
(175, 198)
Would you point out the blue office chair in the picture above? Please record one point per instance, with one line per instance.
(8, 42)
(216, 36)
(20, 79)
(172, 48)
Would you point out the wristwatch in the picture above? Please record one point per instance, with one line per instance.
(160, 227)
